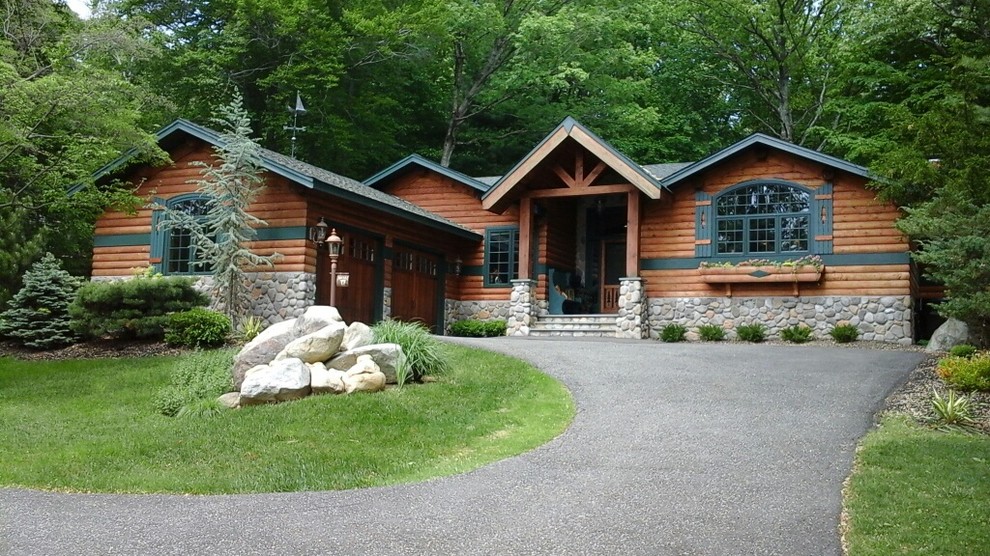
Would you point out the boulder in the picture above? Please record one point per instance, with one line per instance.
(283, 380)
(316, 347)
(364, 376)
(388, 357)
(326, 381)
(358, 335)
(952, 333)
(230, 400)
(315, 318)
(262, 349)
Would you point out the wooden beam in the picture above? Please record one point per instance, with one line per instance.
(525, 235)
(579, 168)
(632, 234)
(564, 177)
(594, 173)
(619, 165)
(496, 198)
(585, 191)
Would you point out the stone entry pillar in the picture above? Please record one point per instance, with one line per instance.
(522, 307)
(630, 321)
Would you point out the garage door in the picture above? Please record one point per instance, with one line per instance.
(415, 283)
(359, 258)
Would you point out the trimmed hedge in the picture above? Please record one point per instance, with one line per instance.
(478, 328)
(197, 328)
(136, 308)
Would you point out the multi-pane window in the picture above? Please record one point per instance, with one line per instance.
(501, 256)
(182, 256)
(763, 219)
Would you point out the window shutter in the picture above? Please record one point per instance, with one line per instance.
(157, 236)
(703, 223)
(822, 219)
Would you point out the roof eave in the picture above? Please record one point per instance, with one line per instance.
(418, 160)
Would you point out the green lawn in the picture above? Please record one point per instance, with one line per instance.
(919, 491)
(90, 426)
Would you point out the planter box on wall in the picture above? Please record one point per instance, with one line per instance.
(794, 275)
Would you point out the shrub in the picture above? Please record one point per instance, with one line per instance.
(250, 328)
(844, 333)
(963, 350)
(199, 376)
(711, 332)
(755, 332)
(952, 410)
(966, 374)
(136, 308)
(425, 354)
(797, 334)
(673, 333)
(38, 316)
(478, 329)
(197, 328)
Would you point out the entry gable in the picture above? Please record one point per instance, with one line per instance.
(571, 157)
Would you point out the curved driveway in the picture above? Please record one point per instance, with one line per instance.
(675, 449)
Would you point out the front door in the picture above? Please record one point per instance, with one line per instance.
(613, 268)
(415, 286)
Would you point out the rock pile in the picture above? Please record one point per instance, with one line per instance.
(316, 353)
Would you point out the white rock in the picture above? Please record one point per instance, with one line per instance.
(317, 346)
(358, 335)
(326, 381)
(364, 376)
(388, 357)
(283, 380)
(230, 400)
(952, 333)
(315, 318)
(262, 349)
(365, 364)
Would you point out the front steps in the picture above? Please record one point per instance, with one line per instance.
(600, 326)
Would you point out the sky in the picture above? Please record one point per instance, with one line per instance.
(81, 7)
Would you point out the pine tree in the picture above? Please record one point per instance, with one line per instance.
(38, 316)
(222, 236)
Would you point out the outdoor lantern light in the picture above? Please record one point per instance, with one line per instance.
(458, 263)
(334, 244)
(318, 233)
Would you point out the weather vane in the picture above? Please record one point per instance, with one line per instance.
(299, 109)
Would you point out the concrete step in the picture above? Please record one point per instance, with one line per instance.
(547, 333)
(574, 325)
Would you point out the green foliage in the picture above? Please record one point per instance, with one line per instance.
(797, 334)
(197, 328)
(478, 329)
(963, 350)
(711, 332)
(673, 333)
(755, 332)
(425, 354)
(136, 308)
(38, 316)
(844, 333)
(196, 379)
(967, 373)
(953, 410)
(250, 328)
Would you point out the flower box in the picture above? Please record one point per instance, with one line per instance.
(794, 275)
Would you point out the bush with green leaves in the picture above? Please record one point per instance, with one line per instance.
(478, 329)
(425, 354)
(797, 334)
(844, 333)
(952, 411)
(38, 315)
(673, 333)
(711, 333)
(249, 329)
(963, 350)
(198, 378)
(966, 374)
(755, 332)
(197, 328)
(136, 308)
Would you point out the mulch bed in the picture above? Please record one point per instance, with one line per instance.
(914, 397)
(96, 349)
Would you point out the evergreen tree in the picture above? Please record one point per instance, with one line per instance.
(38, 316)
(230, 186)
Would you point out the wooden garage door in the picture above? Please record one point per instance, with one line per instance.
(415, 279)
(359, 258)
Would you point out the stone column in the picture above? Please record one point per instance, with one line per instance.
(630, 322)
(386, 303)
(522, 308)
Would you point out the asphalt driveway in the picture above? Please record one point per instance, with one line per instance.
(675, 449)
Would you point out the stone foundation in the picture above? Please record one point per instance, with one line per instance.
(386, 303)
(629, 320)
(883, 319)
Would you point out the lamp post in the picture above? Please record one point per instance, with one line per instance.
(334, 244)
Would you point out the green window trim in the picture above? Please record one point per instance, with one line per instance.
(501, 256)
(175, 256)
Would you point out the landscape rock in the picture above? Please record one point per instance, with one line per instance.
(262, 349)
(230, 400)
(315, 318)
(283, 380)
(317, 346)
(364, 376)
(388, 357)
(326, 381)
(358, 335)
(952, 333)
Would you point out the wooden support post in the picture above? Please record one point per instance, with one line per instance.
(525, 236)
(632, 234)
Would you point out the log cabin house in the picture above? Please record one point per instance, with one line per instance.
(576, 239)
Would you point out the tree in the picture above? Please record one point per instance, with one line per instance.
(229, 187)
(38, 316)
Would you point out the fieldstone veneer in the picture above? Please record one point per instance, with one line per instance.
(629, 320)
(522, 313)
(883, 319)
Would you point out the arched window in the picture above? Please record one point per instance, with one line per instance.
(180, 253)
(763, 218)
